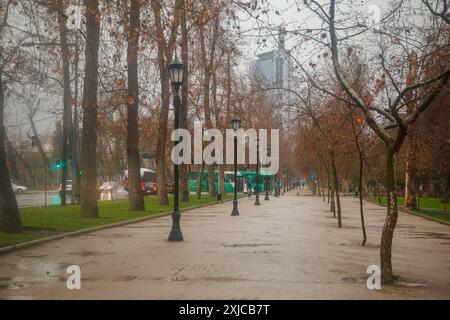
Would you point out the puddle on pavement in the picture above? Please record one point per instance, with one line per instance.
(205, 215)
(354, 279)
(126, 278)
(428, 235)
(262, 252)
(115, 236)
(247, 245)
(143, 227)
(107, 236)
(214, 279)
(87, 253)
(26, 255)
(14, 283)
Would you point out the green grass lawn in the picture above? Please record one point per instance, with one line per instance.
(39, 222)
(429, 203)
(425, 203)
(440, 215)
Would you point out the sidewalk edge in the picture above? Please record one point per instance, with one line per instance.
(414, 213)
(97, 228)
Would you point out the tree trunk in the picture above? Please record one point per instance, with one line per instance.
(360, 180)
(332, 198)
(411, 151)
(9, 212)
(161, 158)
(319, 190)
(184, 168)
(323, 191)
(329, 189)
(11, 156)
(207, 71)
(361, 204)
(336, 187)
(67, 97)
(89, 192)
(390, 222)
(411, 170)
(220, 180)
(135, 194)
(200, 181)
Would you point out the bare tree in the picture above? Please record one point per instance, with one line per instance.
(392, 139)
(89, 192)
(135, 195)
(10, 220)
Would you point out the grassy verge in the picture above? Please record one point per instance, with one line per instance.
(439, 215)
(434, 207)
(428, 203)
(39, 222)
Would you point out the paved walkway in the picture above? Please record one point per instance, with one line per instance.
(289, 248)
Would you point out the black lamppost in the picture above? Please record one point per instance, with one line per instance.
(267, 185)
(176, 69)
(235, 123)
(257, 174)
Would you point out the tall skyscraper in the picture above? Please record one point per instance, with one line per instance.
(275, 71)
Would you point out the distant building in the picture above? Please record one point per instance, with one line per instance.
(275, 70)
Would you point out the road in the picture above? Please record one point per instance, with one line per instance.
(37, 198)
(288, 248)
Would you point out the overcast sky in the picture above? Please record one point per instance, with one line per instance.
(252, 33)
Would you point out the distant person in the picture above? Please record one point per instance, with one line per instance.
(278, 188)
(249, 188)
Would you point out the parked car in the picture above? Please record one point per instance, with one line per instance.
(18, 189)
(150, 189)
(108, 186)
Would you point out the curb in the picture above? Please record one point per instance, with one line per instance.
(413, 213)
(103, 227)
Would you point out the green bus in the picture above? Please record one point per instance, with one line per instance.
(265, 180)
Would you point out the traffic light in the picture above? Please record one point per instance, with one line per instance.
(57, 165)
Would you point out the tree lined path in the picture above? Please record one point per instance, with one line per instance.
(288, 248)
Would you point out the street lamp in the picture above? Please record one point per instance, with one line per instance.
(257, 173)
(176, 70)
(235, 123)
(267, 185)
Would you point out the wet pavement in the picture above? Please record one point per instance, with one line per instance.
(288, 248)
